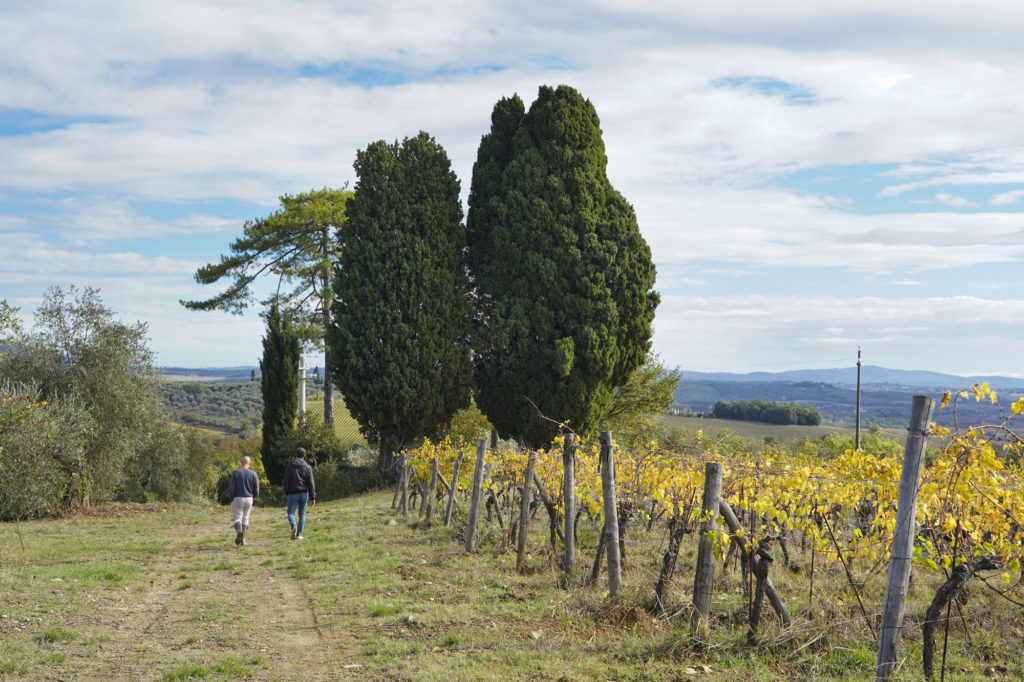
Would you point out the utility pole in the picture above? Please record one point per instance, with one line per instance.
(856, 437)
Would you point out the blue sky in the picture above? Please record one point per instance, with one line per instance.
(811, 177)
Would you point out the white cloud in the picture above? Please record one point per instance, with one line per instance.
(825, 331)
(954, 201)
(206, 101)
(1007, 198)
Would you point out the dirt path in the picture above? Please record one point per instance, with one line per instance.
(204, 599)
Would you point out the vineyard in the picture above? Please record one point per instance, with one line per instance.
(829, 530)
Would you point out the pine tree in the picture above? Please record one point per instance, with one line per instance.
(561, 273)
(401, 304)
(279, 381)
(294, 244)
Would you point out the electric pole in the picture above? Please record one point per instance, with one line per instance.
(856, 437)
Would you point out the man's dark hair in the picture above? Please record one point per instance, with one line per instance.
(300, 452)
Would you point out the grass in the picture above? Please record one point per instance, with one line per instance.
(757, 432)
(406, 603)
(57, 634)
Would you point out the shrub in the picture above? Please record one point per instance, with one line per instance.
(40, 445)
(337, 481)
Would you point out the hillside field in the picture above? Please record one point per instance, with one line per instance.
(756, 432)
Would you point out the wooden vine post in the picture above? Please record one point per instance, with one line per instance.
(901, 554)
(478, 484)
(524, 511)
(451, 489)
(403, 503)
(569, 497)
(611, 516)
(431, 495)
(704, 579)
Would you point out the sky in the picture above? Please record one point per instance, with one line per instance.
(812, 178)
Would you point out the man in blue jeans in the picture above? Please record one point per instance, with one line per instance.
(300, 489)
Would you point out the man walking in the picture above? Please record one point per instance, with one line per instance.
(300, 488)
(244, 485)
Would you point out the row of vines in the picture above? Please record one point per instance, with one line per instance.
(831, 522)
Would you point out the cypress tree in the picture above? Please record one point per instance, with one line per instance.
(401, 311)
(279, 382)
(562, 275)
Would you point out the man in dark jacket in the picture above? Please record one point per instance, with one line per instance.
(300, 489)
(243, 486)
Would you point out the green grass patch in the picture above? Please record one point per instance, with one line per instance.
(383, 610)
(57, 634)
(185, 671)
(232, 666)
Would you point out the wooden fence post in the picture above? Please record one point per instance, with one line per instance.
(451, 489)
(611, 516)
(705, 577)
(524, 511)
(569, 497)
(478, 484)
(901, 554)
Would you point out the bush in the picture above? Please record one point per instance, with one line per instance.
(318, 439)
(176, 464)
(41, 444)
(336, 481)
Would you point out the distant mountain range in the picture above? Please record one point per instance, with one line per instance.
(886, 394)
(870, 374)
(225, 374)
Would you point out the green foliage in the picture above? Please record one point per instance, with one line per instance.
(563, 277)
(768, 412)
(638, 403)
(176, 464)
(468, 425)
(40, 443)
(830, 446)
(79, 353)
(292, 244)
(335, 481)
(402, 307)
(10, 326)
(279, 382)
(318, 439)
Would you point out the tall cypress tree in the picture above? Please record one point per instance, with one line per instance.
(562, 275)
(279, 381)
(401, 311)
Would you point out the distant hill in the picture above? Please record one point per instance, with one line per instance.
(225, 374)
(870, 374)
(886, 395)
